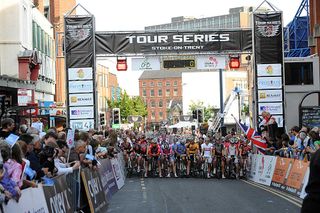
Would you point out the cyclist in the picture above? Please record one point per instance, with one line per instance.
(142, 157)
(192, 152)
(154, 152)
(206, 153)
(173, 148)
(126, 148)
(232, 153)
(244, 151)
(165, 154)
(219, 152)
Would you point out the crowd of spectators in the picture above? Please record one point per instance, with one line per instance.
(39, 156)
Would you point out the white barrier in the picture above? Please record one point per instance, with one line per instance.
(31, 200)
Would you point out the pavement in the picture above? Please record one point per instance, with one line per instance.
(188, 195)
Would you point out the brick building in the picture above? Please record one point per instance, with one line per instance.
(162, 92)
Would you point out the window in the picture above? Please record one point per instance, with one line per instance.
(153, 104)
(175, 83)
(151, 84)
(160, 92)
(144, 92)
(175, 92)
(160, 103)
(168, 103)
(159, 84)
(144, 84)
(299, 73)
(160, 115)
(153, 115)
(167, 92)
(152, 92)
(168, 83)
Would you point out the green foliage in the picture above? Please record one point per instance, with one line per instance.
(245, 109)
(209, 111)
(129, 106)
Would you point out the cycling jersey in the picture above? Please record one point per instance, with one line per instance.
(207, 149)
(154, 150)
(181, 149)
(166, 151)
(232, 150)
(218, 149)
(143, 147)
(193, 148)
(126, 146)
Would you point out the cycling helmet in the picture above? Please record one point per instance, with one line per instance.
(234, 140)
(154, 140)
(166, 146)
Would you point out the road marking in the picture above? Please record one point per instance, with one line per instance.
(279, 194)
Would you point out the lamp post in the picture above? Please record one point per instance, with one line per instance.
(237, 91)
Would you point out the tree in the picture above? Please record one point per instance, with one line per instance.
(209, 111)
(129, 106)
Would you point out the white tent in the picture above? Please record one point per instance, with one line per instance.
(182, 124)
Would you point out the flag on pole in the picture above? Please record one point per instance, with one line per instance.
(253, 136)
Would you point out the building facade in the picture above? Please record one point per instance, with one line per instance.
(27, 72)
(162, 92)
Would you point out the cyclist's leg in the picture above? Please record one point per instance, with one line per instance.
(159, 166)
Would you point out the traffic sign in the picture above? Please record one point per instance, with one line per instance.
(115, 126)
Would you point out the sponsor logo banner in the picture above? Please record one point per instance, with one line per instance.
(207, 62)
(253, 175)
(118, 175)
(273, 108)
(148, 63)
(58, 196)
(31, 200)
(266, 166)
(269, 83)
(80, 73)
(269, 69)
(82, 124)
(94, 190)
(81, 99)
(80, 86)
(107, 178)
(281, 172)
(81, 112)
(269, 95)
(296, 176)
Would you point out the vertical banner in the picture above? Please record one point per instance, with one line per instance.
(94, 190)
(268, 55)
(58, 196)
(80, 71)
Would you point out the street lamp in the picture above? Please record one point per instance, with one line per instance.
(237, 91)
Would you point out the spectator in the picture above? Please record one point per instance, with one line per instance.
(50, 137)
(9, 185)
(315, 139)
(14, 166)
(23, 129)
(7, 127)
(60, 161)
(26, 182)
(85, 136)
(311, 203)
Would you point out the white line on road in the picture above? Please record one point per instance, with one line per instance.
(275, 193)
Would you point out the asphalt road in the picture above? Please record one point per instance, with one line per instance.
(196, 195)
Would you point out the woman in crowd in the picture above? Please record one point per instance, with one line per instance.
(60, 160)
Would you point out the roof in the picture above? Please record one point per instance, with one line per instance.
(159, 74)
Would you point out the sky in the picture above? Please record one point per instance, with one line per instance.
(130, 15)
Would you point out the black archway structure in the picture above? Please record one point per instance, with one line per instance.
(83, 44)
